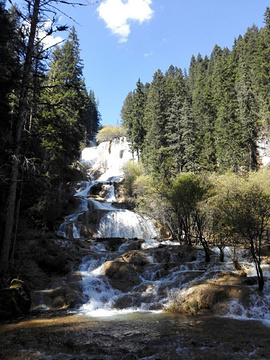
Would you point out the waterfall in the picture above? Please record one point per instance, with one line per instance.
(108, 158)
(161, 271)
(126, 224)
(105, 163)
(70, 228)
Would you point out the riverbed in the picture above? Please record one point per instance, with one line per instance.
(63, 335)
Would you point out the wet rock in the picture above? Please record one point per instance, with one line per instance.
(15, 300)
(122, 276)
(123, 272)
(135, 258)
(174, 254)
(97, 189)
(213, 295)
(123, 302)
(112, 244)
(132, 245)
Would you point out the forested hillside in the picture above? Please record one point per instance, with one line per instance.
(206, 119)
(46, 115)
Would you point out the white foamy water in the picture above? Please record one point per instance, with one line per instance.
(109, 157)
(70, 228)
(107, 160)
(258, 305)
(126, 224)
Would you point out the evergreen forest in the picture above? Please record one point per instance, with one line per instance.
(47, 115)
(209, 118)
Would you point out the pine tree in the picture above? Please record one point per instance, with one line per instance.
(262, 71)
(138, 131)
(127, 114)
(62, 126)
(227, 126)
(248, 114)
(92, 117)
(9, 220)
(174, 134)
(155, 153)
(204, 115)
(189, 138)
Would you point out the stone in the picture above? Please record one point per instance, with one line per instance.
(122, 276)
(135, 258)
(211, 295)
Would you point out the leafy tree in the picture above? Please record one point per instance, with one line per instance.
(132, 170)
(187, 194)
(243, 207)
(149, 195)
(108, 133)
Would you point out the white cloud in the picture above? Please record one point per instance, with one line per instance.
(48, 40)
(117, 14)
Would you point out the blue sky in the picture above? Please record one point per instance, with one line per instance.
(123, 40)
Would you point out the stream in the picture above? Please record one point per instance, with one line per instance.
(129, 278)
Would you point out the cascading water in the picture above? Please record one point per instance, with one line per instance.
(126, 224)
(70, 228)
(163, 274)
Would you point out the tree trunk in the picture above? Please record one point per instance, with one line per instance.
(206, 248)
(259, 275)
(221, 253)
(257, 262)
(11, 200)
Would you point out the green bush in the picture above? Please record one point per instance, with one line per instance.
(132, 171)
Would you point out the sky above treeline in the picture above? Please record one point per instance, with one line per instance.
(124, 40)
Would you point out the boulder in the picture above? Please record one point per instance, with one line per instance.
(174, 254)
(122, 276)
(112, 244)
(136, 258)
(15, 300)
(123, 272)
(213, 295)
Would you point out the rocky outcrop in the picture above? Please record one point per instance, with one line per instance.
(213, 295)
(136, 258)
(122, 276)
(123, 272)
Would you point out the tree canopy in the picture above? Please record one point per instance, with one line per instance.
(209, 119)
(46, 115)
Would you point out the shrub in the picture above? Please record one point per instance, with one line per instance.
(108, 133)
(132, 171)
